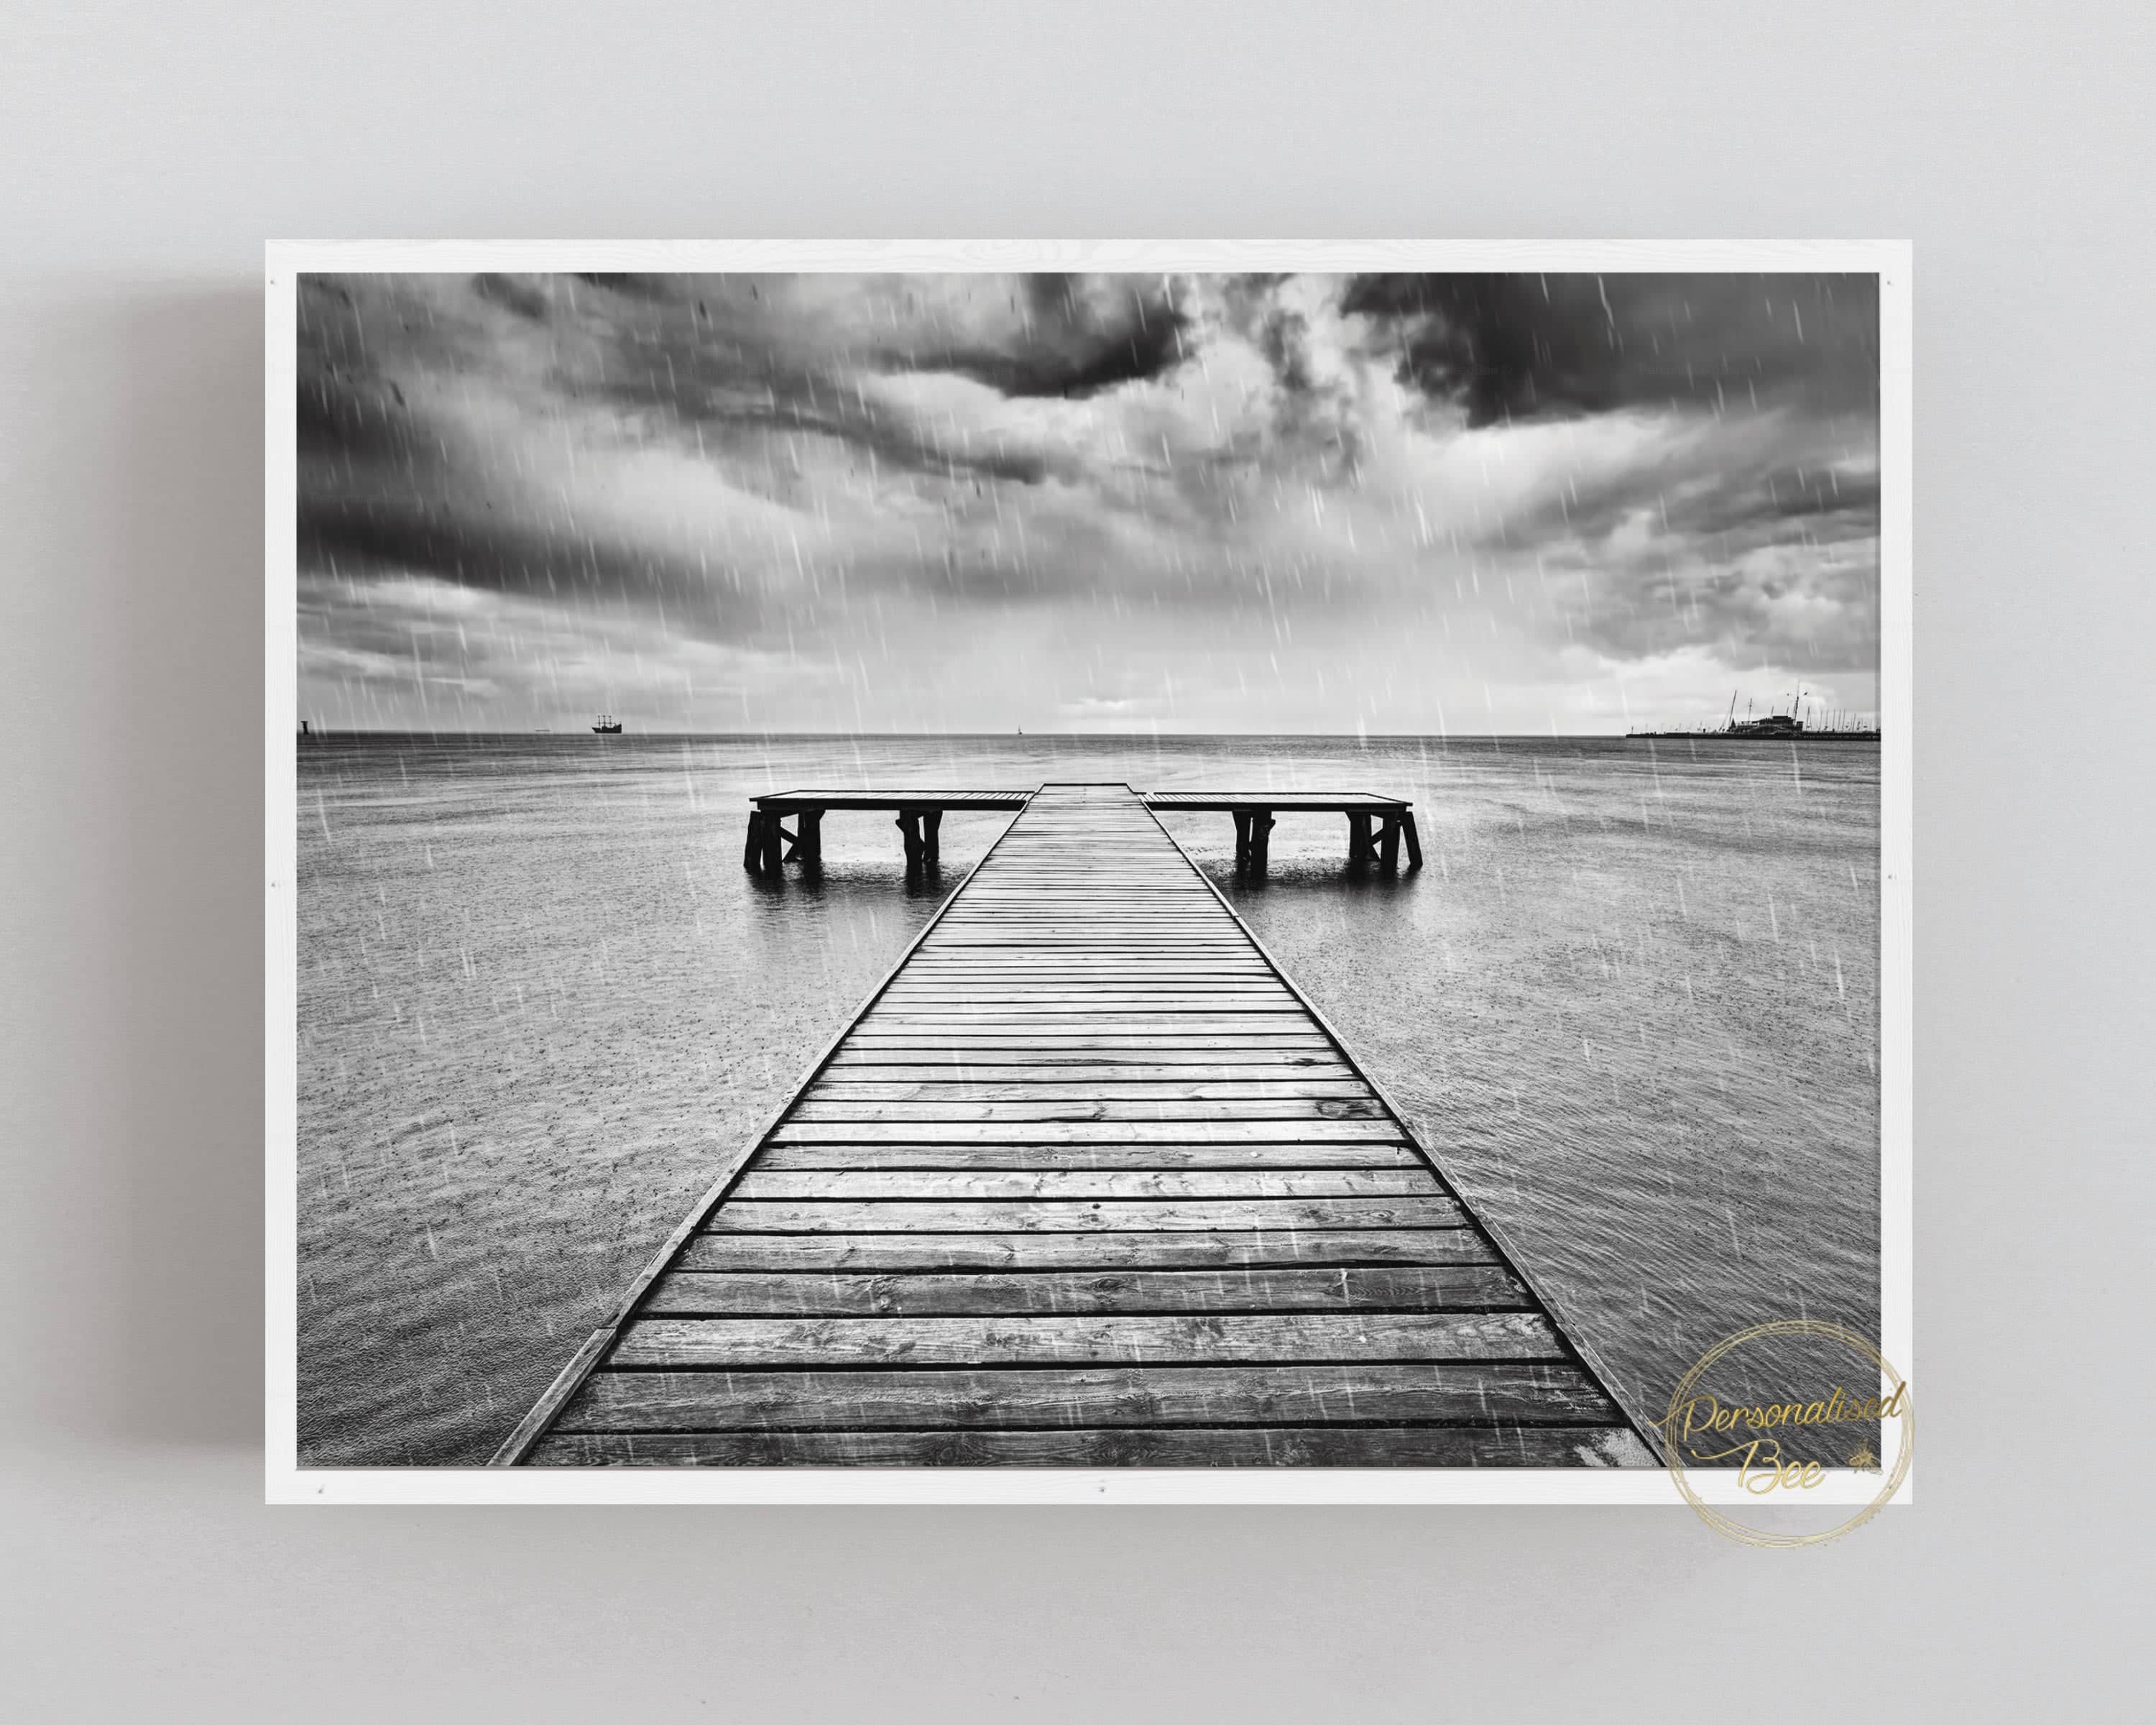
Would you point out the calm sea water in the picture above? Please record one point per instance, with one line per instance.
(1631, 1001)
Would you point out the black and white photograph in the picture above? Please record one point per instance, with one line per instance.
(1080, 868)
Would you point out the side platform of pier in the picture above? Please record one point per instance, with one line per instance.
(1086, 1183)
(1377, 826)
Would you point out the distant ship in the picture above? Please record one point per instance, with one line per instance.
(1774, 727)
(607, 726)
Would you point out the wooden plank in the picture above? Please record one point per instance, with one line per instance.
(1062, 1036)
(895, 1251)
(1208, 995)
(1087, 1131)
(1081, 1005)
(1292, 802)
(1068, 1023)
(1040, 1158)
(1512, 1445)
(897, 1081)
(1085, 972)
(943, 1002)
(1088, 1107)
(745, 1343)
(1106, 1089)
(557, 1395)
(862, 1184)
(984, 1051)
(1157, 1060)
(1223, 995)
(1487, 1287)
(1096, 989)
(1074, 1216)
(1023, 1397)
(969, 801)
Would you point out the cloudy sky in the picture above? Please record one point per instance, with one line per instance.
(1401, 504)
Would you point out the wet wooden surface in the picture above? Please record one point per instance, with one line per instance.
(1087, 1184)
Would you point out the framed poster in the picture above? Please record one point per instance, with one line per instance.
(1096, 872)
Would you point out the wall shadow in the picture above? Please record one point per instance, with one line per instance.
(167, 559)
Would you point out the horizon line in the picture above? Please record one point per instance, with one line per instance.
(1005, 736)
(1126, 736)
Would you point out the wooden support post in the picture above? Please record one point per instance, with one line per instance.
(1242, 841)
(1415, 843)
(809, 840)
(1359, 841)
(909, 826)
(774, 833)
(753, 846)
(1261, 830)
(1388, 843)
(932, 830)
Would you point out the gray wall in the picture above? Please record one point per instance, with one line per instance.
(149, 150)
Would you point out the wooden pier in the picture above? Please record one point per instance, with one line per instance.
(1086, 1183)
(769, 846)
(1375, 825)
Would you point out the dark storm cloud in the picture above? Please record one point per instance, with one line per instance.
(352, 416)
(1761, 563)
(386, 490)
(1760, 496)
(521, 297)
(694, 355)
(1817, 611)
(1509, 347)
(771, 471)
(1079, 338)
(361, 536)
(728, 396)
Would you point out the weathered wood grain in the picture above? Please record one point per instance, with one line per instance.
(1086, 1132)
(951, 1110)
(743, 1343)
(1081, 1216)
(1154, 1060)
(1509, 1445)
(866, 1294)
(908, 1252)
(1450, 1392)
(857, 1184)
(1050, 1084)
(1042, 1159)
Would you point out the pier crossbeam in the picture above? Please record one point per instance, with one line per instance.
(1375, 825)
(1086, 1182)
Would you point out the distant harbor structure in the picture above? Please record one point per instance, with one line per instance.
(1803, 722)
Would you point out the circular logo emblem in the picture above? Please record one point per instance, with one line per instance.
(1773, 1442)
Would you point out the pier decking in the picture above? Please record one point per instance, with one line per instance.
(1086, 1183)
